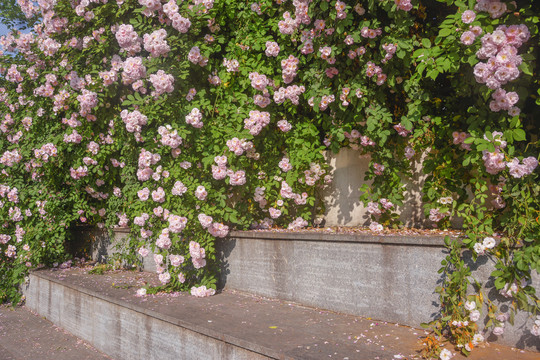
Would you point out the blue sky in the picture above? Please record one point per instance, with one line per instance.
(3, 30)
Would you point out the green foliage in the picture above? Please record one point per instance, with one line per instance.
(12, 16)
(100, 269)
(400, 87)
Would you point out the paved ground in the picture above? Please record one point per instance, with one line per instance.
(26, 336)
(281, 327)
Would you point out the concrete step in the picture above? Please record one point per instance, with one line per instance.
(385, 276)
(104, 310)
(26, 336)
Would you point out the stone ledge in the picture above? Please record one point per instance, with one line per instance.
(390, 277)
(403, 240)
(228, 325)
(103, 310)
(384, 277)
(61, 301)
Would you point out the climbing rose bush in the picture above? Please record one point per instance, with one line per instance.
(184, 120)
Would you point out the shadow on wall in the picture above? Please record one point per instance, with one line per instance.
(97, 244)
(90, 243)
(224, 248)
(519, 334)
(412, 211)
(101, 247)
(436, 314)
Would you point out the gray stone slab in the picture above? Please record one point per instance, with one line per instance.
(123, 332)
(6, 354)
(229, 325)
(330, 236)
(384, 277)
(26, 336)
(361, 279)
(387, 277)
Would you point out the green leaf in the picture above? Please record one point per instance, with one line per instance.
(445, 32)
(433, 73)
(426, 43)
(418, 52)
(499, 283)
(526, 68)
(519, 135)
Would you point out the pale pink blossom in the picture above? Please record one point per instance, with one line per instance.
(177, 223)
(194, 118)
(468, 16)
(128, 39)
(202, 291)
(155, 43)
(179, 188)
(162, 83)
(158, 195)
(201, 193)
(272, 49)
(164, 278)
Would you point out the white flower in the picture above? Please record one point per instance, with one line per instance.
(164, 278)
(479, 248)
(535, 330)
(470, 305)
(376, 227)
(474, 315)
(489, 243)
(446, 200)
(509, 290)
(536, 327)
(143, 251)
(445, 354)
(498, 330)
(202, 291)
(141, 292)
(477, 339)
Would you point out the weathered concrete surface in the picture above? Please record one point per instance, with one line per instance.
(96, 244)
(384, 277)
(391, 278)
(342, 198)
(354, 274)
(123, 330)
(26, 336)
(230, 325)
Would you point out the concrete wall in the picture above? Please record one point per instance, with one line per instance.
(100, 246)
(342, 198)
(390, 278)
(124, 332)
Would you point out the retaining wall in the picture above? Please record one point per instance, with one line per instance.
(385, 277)
(391, 278)
(127, 331)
